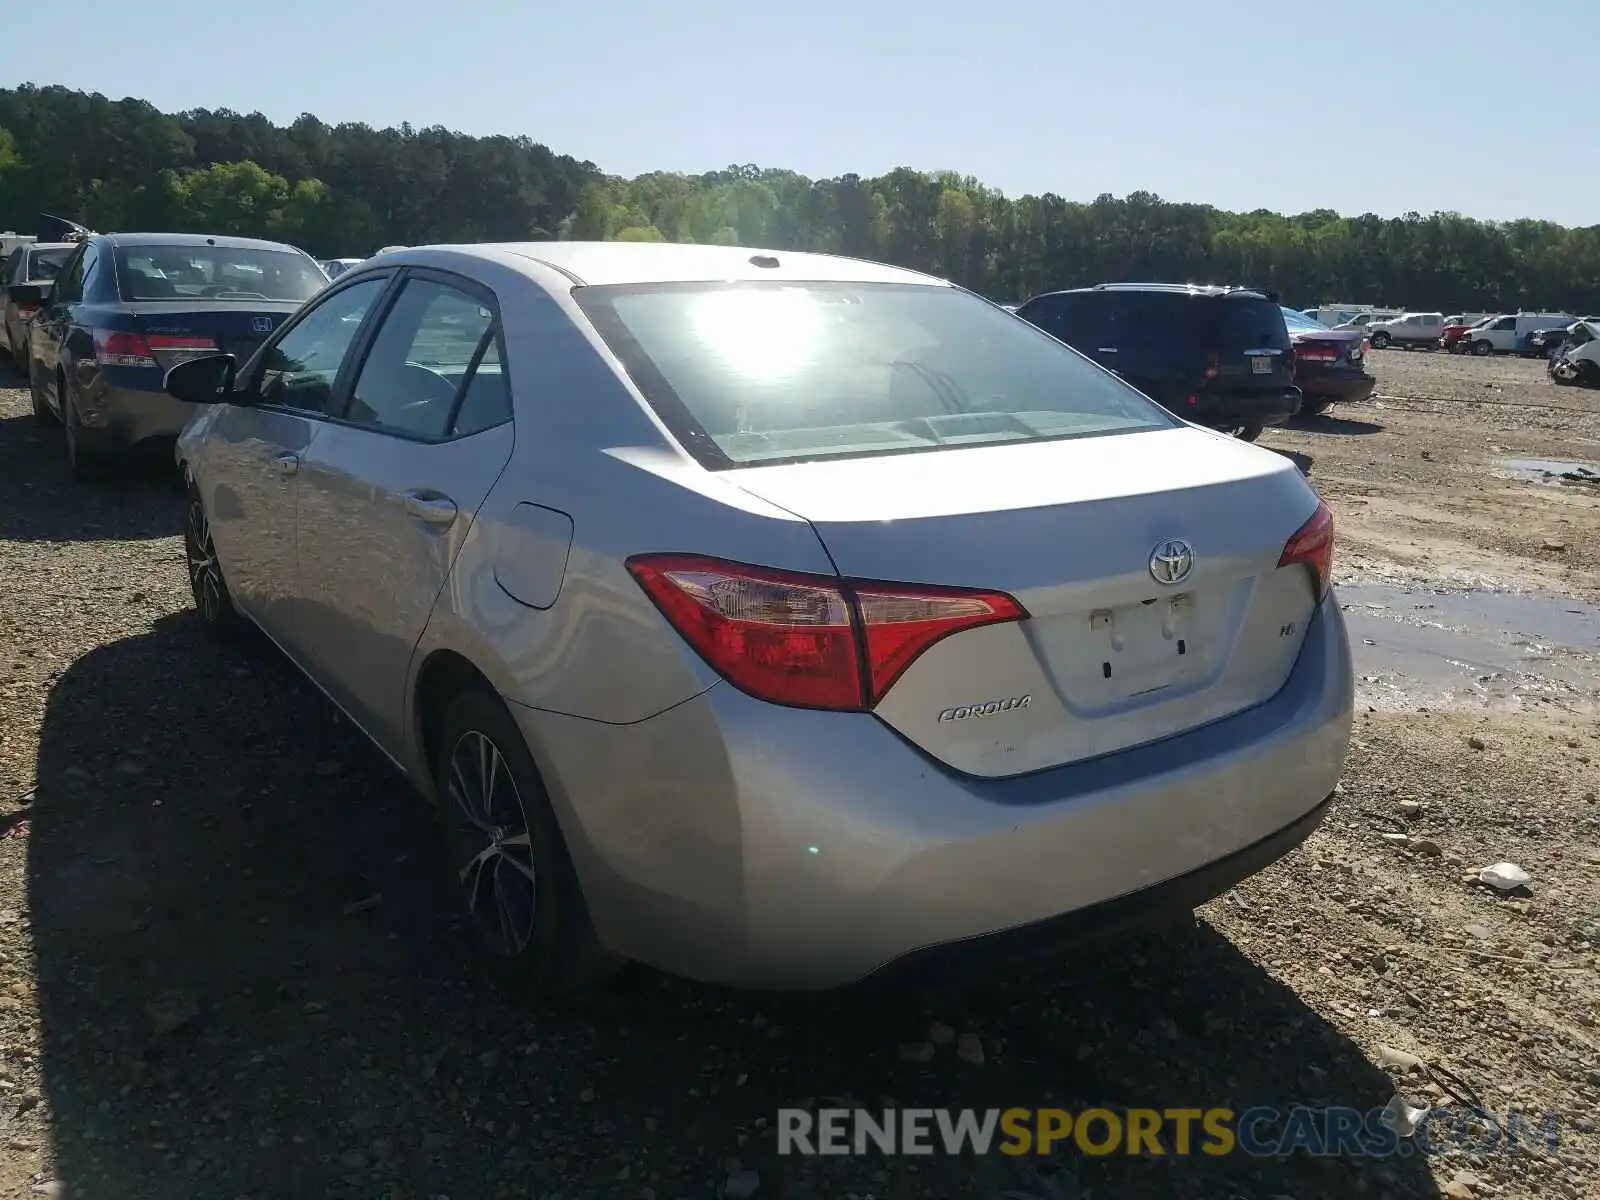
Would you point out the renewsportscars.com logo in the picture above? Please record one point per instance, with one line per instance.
(1259, 1132)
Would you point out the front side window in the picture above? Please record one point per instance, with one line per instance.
(220, 274)
(422, 357)
(746, 374)
(1506, 323)
(300, 369)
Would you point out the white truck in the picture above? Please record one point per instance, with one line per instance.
(1407, 331)
(1507, 334)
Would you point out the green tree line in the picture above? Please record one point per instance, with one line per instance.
(348, 189)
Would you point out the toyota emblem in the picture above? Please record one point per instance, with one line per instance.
(1171, 561)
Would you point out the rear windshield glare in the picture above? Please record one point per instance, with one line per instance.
(215, 273)
(746, 374)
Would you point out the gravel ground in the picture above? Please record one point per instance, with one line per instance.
(224, 970)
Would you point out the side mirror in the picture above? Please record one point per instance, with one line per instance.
(30, 295)
(204, 380)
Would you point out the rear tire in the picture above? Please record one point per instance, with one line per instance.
(1482, 348)
(1246, 433)
(1380, 340)
(507, 860)
(1314, 408)
(213, 603)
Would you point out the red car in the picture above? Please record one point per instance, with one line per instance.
(1454, 337)
(1329, 364)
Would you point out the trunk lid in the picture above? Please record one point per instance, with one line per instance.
(1109, 657)
(238, 328)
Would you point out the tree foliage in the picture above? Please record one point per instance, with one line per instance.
(348, 189)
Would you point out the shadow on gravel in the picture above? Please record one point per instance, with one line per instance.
(228, 1008)
(1335, 425)
(39, 502)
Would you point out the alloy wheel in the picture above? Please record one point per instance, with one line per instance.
(205, 574)
(491, 848)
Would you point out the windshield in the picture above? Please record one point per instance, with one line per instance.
(1299, 321)
(220, 273)
(47, 264)
(745, 374)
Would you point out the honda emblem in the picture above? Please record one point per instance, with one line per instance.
(261, 324)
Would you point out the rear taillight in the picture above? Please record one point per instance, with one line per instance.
(1315, 352)
(1312, 545)
(809, 641)
(25, 311)
(114, 348)
(170, 350)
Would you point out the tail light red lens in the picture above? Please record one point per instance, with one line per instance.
(26, 311)
(1315, 352)
(115, 348)
(809, 641)
(1312, 545)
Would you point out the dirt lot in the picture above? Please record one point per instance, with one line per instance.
(224, 970)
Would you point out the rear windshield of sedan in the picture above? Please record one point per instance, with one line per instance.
(220, 273)
(755, 373)
(47, 264)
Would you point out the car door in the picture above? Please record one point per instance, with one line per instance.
(389, 492)
(253, 452)
(48, 330)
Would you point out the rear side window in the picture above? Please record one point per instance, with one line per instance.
(763, 373)
(421, 359)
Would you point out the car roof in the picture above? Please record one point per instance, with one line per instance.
(601, 263)
(195, 239)
(51, 246)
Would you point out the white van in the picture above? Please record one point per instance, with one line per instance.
(1408, 330)
(1505, 335)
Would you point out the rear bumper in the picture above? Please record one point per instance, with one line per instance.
(115, 417)
(1224, 409)
(1346, 387)
(734, 841)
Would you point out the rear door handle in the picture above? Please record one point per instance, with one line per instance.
(286, 464)
(431, 508)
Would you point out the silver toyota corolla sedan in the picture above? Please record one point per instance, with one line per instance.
(776, 619)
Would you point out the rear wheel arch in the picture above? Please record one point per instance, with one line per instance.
(443, 676)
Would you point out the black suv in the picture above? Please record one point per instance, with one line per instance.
(1213, 355)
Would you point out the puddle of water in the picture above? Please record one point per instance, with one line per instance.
(1551, 470)
(1419, 648)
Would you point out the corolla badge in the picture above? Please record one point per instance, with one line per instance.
(261, 324)
(1171, 561)
(987, 708)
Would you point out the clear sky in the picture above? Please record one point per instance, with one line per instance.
(1480, 106)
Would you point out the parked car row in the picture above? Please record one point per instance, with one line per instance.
(1508, 333)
